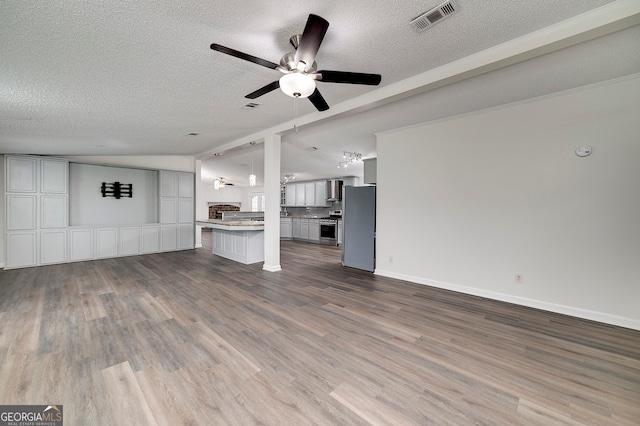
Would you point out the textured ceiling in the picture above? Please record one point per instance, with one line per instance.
(134, 78)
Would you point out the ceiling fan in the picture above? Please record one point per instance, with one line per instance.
(299, 67)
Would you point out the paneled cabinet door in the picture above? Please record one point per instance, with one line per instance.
(168, 184)
(290, 194)
(310, 194)
(300, 195)
(21, 249)
(185, 210)
(314, 230)
(129, 241)
(53, 211)
(185, 185)
(150, 239)
(21, 212)
(106, 242)
(168, 237)
(53, 176)
(80, 244)
(53, 246)
(321, 193)
(185, 237)
(168, 210)
(21, 174)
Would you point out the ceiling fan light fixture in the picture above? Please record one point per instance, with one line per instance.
(297, 85)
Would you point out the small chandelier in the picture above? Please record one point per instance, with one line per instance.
(349, 158)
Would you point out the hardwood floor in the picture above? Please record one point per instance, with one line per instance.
(187, 338)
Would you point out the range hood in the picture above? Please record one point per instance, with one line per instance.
(335, 190)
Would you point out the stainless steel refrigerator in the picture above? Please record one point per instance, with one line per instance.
(359, 216)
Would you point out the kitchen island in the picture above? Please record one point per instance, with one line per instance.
(239, 240)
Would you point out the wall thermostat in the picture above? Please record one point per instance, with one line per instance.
(583, 151)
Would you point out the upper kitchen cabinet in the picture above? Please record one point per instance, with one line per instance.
(370, 171)
(306, 194)
(321, 192)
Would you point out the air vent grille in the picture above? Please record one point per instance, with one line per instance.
(250, 105)
(434, 15)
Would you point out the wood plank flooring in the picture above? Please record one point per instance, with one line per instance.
(188, 338)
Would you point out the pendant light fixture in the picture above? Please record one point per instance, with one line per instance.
(252, 177)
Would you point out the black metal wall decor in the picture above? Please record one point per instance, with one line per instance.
(117, 190)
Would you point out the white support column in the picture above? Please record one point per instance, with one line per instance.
(272, 203)
(198, 202)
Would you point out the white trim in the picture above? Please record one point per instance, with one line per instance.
(523, 301)
(271, 268)
(1, 265)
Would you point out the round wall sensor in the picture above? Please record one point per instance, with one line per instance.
(583, 151)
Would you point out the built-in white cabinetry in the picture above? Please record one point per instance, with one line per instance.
(129, 241)
(51, 240)
(150, 239)
(80, 244)
(22, 249)
(106, 242)
(286, 230)
(36, 210)
(37, 230)
(296, 229)
(177, 210)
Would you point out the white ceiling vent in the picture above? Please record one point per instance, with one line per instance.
(250, 105)
(437, 14)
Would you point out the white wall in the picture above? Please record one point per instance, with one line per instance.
(88, 207)
(467, 203)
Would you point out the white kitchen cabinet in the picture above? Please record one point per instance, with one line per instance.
(286, 230)
(296, 229)
(129, 241)
(300, 194)
(21, 174)
(21, 249)
(321, 188)
(304, 229)
(314, 230)
(370, 171)
(310, 194)
(290, 194)
(80, 244)
(106, 242)
(53, 246)
(168, 210)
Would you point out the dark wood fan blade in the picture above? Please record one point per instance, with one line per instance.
(349, 77)
(312, 36)
(245, 56)
(263, 90)
(318, 101)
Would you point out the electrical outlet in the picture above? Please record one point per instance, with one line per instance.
(519, 279)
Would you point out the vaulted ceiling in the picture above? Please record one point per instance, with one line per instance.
(136, 78)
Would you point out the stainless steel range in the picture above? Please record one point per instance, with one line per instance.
(329, 228)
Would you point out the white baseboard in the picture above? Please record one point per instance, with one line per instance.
(198, 245)
(2, 265)
(523, 301)
(272, 268)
